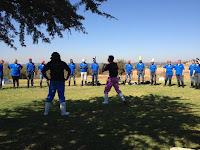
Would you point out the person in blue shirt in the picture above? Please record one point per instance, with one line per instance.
(153, 69)
(95, 68)
(179, 73)
(30, 68)
(40, 67)
(129, 72)
(197, 74)
(15, 72)
(1, 73)
(84, 67)
(72, 66)
(169, 73)
(191, 68)
(140, 70)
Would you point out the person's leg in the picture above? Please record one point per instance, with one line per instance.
(182, 82)
(28, 79)
(1, 80)
(143, 77)
(199, 79)
(170, 80)
(85, 78)
(32, 75)
(17, 80)
(139, 73)
(96, 76)
(50, 97)
(107, 90)
(61, 95)
(41, 77)
(74, 80)
(178, 80)
(130, 76)
(166, 79)
(192, 81)
(126, 78)
(93, 74)
(13, 77)
(70, 79)
(82, 75)
(152, 78)
(196, 80)
(116, 86)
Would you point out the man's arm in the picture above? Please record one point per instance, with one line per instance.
(44, 70)
(68, 70)
(105, 67)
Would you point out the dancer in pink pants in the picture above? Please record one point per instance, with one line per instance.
(112, 79)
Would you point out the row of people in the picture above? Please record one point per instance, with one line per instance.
(140, 67)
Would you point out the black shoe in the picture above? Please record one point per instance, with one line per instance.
(196, 86)
(125, 82)
(155, 83)
(82, 83)
(178, 84)
(69, 83)
(86, 83)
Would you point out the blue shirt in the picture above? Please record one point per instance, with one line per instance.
(179, 69)
(94, 66)
(1, 70)
(84, 65)
(169, 69)
(153, 68)
(129, 67)
(197, 68)
(15, 69)
(140, 66)
(191, 68)
(72, 66)
(40, 67)
(30, 67)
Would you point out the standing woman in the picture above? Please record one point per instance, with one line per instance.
(153, 69)
(140, 70)
(169, 72)
(15, 72)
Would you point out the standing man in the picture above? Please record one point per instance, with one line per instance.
(112, 79)
(169, 73)
(15, 72)
(1, 73)
(40, 67)
(72, 66)
(191, 68)
(129, 72)
(84, 67)
(153, 69)
(140, 70)
(95, 68)
(57, 82)
(30, 68)
(179, 73)
(197, 74)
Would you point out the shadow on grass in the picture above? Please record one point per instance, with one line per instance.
(148, 122)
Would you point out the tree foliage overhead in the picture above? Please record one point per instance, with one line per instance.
(20, 17)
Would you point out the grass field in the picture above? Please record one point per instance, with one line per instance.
(156, 118)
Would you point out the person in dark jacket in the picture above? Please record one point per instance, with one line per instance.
(112, 79)
(57, 81)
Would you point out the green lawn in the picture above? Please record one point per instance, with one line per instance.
(156, 118)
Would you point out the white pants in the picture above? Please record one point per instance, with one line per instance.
(84, 76)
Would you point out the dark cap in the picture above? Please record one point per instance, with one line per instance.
(55, 56)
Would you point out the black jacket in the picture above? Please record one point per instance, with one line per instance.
(56, 68)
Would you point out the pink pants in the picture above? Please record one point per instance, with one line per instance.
(112, 81)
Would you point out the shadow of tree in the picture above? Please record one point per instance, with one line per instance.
(148, 122)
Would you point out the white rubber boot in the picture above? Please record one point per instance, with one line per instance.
(63, 109)
(106, 99)
(47, 105)
(122, 97)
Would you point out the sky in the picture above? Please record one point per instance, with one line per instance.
(160, 29)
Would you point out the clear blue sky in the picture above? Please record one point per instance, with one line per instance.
(160, 29)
